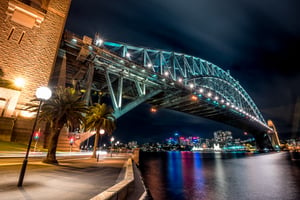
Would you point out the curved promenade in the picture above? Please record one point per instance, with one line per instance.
(74, 178)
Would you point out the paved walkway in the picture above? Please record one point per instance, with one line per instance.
(74, 178)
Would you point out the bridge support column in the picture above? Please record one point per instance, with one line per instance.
(89, 81)
(263, 141)
(135, 103)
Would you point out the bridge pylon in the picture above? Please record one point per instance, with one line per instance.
(273, 135)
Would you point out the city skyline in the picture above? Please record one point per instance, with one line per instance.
(256, 42)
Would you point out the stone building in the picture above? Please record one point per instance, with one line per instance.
(30, 34)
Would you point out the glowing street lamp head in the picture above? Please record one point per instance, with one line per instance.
(102, 131)
(43, 93)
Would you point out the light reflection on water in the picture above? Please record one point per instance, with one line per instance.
(188, 175)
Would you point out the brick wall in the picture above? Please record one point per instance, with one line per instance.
(32, 58)
(29, 53)
(6, 127)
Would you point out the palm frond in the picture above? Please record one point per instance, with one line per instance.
(65, 106)
(99, 117)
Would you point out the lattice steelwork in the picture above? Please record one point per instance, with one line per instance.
(200, 75)
(132, 75)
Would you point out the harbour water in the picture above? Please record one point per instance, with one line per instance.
(215, 176)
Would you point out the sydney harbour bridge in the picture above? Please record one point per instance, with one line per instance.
(132, 75)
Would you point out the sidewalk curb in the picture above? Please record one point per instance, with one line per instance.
(121, 189)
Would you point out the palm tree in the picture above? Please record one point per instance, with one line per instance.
(65, 107)
(99, 117)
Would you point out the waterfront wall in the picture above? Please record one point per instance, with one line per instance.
(121, 190)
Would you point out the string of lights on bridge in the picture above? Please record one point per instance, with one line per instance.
(197, 92)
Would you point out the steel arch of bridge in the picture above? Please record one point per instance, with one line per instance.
(132, 75)
(194, 72)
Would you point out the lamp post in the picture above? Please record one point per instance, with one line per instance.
(112, 145)
(102, 131)
(42, 93)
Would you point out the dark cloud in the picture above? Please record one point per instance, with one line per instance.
(258, 41)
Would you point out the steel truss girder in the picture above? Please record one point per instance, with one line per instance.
(178, 100)
(187, 67)
(150, 80)
(230, 93)
(116, 97)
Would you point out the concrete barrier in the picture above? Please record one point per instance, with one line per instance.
(121, 190)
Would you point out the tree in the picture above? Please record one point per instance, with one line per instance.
(99, 117)
(65, 107)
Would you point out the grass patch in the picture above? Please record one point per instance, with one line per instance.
(13, 146)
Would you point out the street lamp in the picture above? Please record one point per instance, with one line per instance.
(102, 131)
(42, 93)
(112, 144)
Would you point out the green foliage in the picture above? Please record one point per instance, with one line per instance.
(64, 107)
(99, 117)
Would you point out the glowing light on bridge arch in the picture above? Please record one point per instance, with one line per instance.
(170, 70)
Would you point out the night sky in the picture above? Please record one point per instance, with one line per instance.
(257, 40)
